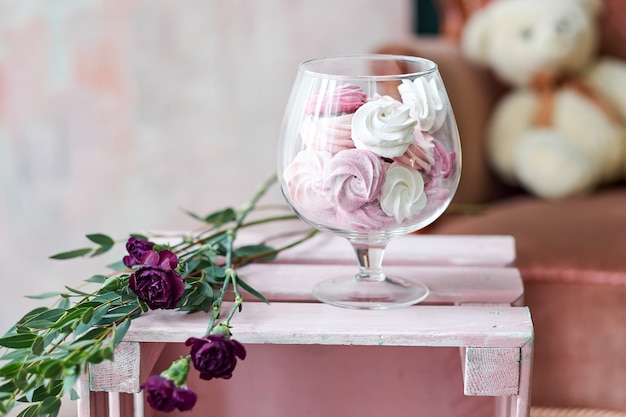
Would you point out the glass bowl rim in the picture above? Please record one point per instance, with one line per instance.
(304, 66)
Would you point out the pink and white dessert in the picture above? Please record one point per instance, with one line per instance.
(353, 178)
(368, 164)
(402, 196)
(424, 98)
(384, 127)
(420, 154)
(303, 177)
(345, 99)
(331, 134)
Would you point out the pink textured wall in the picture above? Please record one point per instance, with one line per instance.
(115, 114)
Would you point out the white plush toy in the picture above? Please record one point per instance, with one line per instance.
(560, 131)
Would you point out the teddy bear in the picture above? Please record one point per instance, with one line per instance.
(560, 129)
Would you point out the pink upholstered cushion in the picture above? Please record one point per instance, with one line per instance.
(582, 239)
(572, 257)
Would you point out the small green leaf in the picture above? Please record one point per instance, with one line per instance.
(101, 239)
(77, 253)
(19, 341)
(9, 370)
(44, 295)
(73, 394)
(102, 249)
(78, 292)
(120, 331)
(97, 279)
(139, 236)
(117, 266)
(51, 368)
(38, 345)
(31, 411)
(261, 252)
(251, 290)
(50, 405)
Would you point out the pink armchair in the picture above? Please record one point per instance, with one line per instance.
(571, 253)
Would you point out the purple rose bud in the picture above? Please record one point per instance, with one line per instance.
(185, 398)
(156, 283)
(215, 356)
(162, 394)
(136, 248)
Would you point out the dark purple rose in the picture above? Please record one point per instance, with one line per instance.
(136, 248)
(185, 398)
(215, 356)
(163, 395)
(155, 282)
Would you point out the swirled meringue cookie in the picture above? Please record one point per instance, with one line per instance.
(353, 178)
(420, 154)
(424, 98)
(331, 134)
(345, 99)
(369, 217)
(402, 195)
(303, 178)
(383, 126)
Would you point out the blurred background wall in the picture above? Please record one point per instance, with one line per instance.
(115, 114)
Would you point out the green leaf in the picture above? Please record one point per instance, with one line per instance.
(117, 266)
(97, 279)
(50, 405)
(31, 411)
(8, 386)
(101, 239)
(139, 236)
(9, 370)
(44, 320)
(37, 347)
(77, 253)
(255, 251)
(251, 290)
(51, 368)
(73, 394)
(217, 218)
(44, 295)
(102, 249)
(78, 292)
(19, 341)
(120, 331)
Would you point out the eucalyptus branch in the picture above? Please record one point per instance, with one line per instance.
(48, 348)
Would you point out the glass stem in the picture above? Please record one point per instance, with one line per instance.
(370, 262)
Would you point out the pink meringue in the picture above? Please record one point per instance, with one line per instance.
(345, 99)
(303, 180)
(331, 134)
(420, 154)
(369, 217)
(353, 178)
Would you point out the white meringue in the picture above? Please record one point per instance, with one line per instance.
(402, 195)
(424, 98)
(383, 126)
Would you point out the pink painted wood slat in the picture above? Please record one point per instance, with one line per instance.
(447, 285)
(315, 323)
(412, 250)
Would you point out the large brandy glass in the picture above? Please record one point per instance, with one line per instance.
(369, 150)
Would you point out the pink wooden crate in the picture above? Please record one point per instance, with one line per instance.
(473, 305)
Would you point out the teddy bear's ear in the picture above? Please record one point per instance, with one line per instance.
(475, 36)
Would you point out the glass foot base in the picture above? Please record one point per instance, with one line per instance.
(370, 295)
